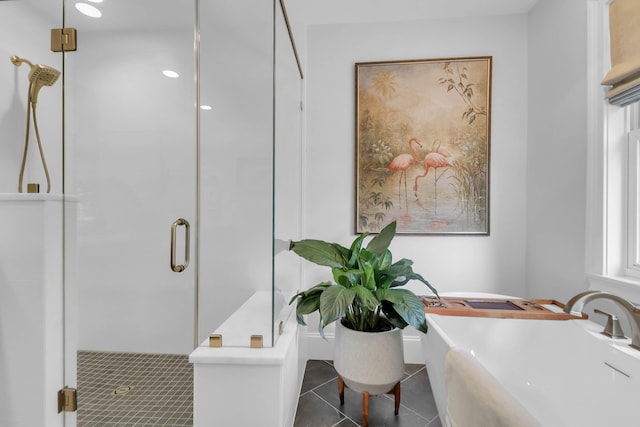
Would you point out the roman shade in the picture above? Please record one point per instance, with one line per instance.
(624, 30)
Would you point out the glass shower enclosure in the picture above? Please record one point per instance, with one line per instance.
(174, 144)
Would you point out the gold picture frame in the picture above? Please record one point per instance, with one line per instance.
(423, 145)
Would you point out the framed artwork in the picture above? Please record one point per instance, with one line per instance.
(422, 145)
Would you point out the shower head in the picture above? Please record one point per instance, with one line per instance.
(39, 76)
(43, 75)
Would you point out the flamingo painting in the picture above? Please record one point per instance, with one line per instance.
(445, 104)
(401, 163)
(439, 158)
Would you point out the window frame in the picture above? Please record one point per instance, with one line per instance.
(633, 201)
(608, 202)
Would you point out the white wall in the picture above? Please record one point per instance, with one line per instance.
(556, 149)
(492, 263)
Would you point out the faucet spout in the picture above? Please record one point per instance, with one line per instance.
(632, 310)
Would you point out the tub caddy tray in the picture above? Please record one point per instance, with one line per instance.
(508, 308)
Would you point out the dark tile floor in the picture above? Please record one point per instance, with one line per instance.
(319, 404)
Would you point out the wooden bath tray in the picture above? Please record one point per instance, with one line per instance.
(511, 308)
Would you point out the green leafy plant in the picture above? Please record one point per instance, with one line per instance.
(365, 288)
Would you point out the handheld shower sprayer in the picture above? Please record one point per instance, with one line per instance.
(39, 76)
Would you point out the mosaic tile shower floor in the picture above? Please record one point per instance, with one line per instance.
(134, 389)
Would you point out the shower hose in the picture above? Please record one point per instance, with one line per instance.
(31, 106)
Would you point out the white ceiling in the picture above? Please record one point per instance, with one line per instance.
(356, 11)
(331, 11)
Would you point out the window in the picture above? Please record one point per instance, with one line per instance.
(613, 179)
(633, 192)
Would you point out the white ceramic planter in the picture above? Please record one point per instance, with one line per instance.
(371, 362)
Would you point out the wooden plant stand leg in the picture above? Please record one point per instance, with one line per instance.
(365, 409)
(396, 393)
(341, 389)
(365, 400)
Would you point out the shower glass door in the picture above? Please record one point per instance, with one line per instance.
(141, 155)
(130, 179)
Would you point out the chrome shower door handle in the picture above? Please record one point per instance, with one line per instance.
(178, 223)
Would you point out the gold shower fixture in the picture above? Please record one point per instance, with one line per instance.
(39, 76)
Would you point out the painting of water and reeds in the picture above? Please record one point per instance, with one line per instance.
(422, 145)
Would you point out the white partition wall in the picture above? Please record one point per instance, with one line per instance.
(31, 315)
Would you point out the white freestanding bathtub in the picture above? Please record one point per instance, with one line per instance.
(564, 373)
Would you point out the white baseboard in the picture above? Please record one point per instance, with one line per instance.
(318, 348)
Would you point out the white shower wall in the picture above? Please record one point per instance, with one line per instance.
(28, 30)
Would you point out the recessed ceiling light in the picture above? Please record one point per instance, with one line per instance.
(95, 1)
(205, 107)
(171, 74)
(87, 9)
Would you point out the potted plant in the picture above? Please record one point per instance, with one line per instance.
(372, 309)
